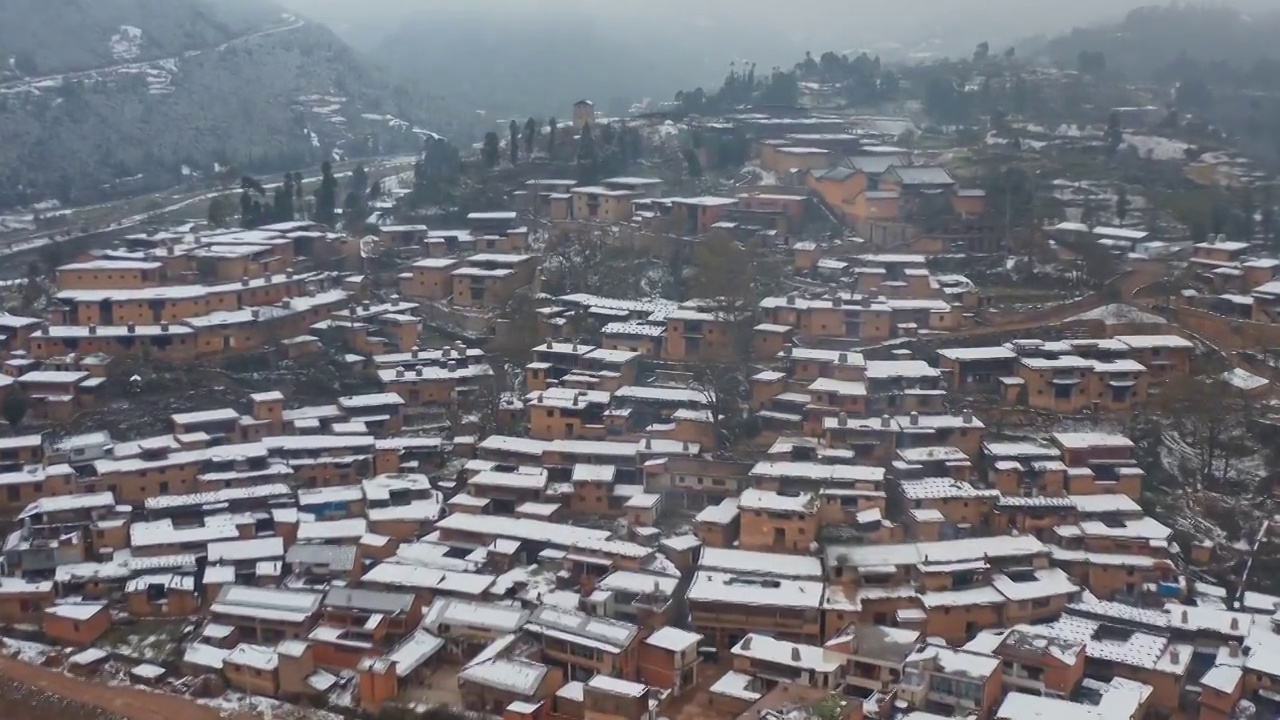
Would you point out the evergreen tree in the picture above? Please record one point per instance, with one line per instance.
(530, 136)
(284, 199)
(513, 137)
(359, 183)
(1247, 222)
(1267, 220)
(246, 209)
(1115, 136)
(552, 126)
(220, 210)
(354, 211)
(14, 407)
(326, 196)
(588, 158)
(489, 153)
(1122, 203)
(692, 163)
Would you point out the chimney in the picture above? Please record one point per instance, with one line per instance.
(132, 328)
(399, 373)
(575, 346)
(164, 326)
(453, 366)
(1185, 617)
(791, 299)
(457, 345)
(244, 281)
(746, 643)
(915, 418)
(1233, 648)
(368, 305)
(844, 420)
(171, 250)
(93, 329)
(548, 343)
(266, 277)
(837, 301)
(414, 353)
(1235, 623)
(648, 443)
(843, 359)
(418, 371)
(886, 421)
(795, 654)
(255, 313)
(288, 273)
(966, 417)
(1174, 656)
(684, 446)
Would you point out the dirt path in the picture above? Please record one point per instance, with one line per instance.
(28, 692)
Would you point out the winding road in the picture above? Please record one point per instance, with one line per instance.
(290, 23)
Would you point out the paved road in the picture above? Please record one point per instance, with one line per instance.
(291, 23)
(175, 200)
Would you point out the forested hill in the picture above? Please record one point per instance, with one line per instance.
(1151, 38)
(103, 98)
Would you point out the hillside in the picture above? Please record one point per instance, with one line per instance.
(132, 96)
(1150, 38)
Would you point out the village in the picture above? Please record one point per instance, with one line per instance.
(799, 441)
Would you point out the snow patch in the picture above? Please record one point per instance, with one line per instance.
(1243, 379)
(1119, 314)
(126, 44)
(1154, 147)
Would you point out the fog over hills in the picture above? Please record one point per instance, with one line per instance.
(521, 56)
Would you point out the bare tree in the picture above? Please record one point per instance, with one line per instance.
(1206, 423)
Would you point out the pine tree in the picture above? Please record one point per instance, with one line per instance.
(513, 137)
(692, 163)
(326, 196)
(359, 183)
(246, 209)
(490, 151)
(1267, 221)
(353, 211)
(220, 210)
(1122, 203)
(588, 158)
(552, 126)
(1115, 136)
(530, 136)
(284, 200)
(14, 407)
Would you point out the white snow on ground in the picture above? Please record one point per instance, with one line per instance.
(1243, 379)
(126, 44)
(1119, 314)
(1154, 147)
(256, 706)
(26, 651)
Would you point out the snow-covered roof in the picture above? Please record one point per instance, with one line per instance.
(772, 501)
(673, 638)
(1148, 342)
(785, 653)
(733, 589)
(943, 551)
(748, 562)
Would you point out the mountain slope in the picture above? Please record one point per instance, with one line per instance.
(138, 95)
(1150, 38)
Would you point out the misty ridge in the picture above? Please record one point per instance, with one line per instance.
(521, 56)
